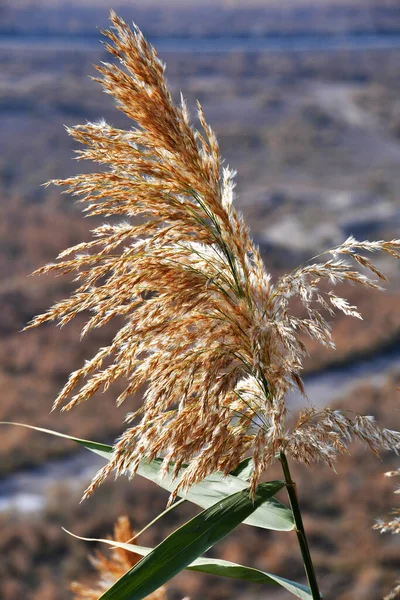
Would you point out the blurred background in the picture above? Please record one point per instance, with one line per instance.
(304, 96)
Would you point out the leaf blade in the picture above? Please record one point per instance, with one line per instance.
(272, 515)
(103, 450)
(222, 568)
(244, 470)
(187, 543)
(214, 488)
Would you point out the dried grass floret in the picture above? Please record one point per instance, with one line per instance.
(208, 335)
(110, 569)
(391, 525)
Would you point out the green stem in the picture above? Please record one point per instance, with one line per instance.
(301, 534)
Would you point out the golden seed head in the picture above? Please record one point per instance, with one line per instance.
(207, 332)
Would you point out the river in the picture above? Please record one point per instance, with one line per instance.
(26, 491)
(223, 44)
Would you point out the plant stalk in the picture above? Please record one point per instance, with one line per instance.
(301, 534)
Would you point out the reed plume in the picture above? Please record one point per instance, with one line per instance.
(391, 525)
(111, 569)
(209, 338)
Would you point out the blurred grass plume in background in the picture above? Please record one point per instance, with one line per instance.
(391, 525)
(111, 569)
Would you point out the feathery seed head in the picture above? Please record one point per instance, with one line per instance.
(207, 332)
(111, 569)
(391, 525)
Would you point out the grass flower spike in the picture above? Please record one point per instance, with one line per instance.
(391, 525)
(111, 569)
(209, 339)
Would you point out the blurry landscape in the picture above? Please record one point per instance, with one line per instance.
(315, 137)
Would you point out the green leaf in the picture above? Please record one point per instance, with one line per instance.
(244, 470)
(103, 450)
(214, 488)
(188, 542)
(223, 568)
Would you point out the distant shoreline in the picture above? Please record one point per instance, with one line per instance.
(212, 44)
